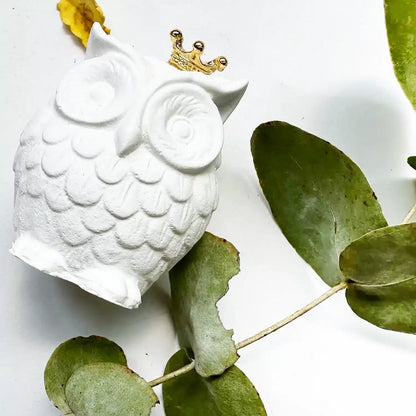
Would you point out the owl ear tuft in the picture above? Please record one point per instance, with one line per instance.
(99, 43)
(226, 94)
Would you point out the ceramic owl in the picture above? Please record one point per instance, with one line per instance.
(115, 179)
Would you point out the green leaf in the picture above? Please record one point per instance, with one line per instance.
(109, 389)
(412, 161)
(318, 196)
(198, 281)
(382, 267)
(382, 257)
(389, 307)
(71, 355)
(231, 394)
(401, 32)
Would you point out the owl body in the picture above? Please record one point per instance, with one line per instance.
(116, 177)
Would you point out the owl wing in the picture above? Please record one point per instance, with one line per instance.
(160, 213)
(39, 164)
(136, 212)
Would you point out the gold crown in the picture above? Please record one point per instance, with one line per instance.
(191, 61)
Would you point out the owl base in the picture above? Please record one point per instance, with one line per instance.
(110, 284)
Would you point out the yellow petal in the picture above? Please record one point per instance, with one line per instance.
(80, 15)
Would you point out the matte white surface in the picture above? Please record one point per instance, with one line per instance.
(321, 65)
(115, 178)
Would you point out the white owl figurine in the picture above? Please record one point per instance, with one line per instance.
(115, 179)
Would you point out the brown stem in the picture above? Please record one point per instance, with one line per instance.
(293, 316)
(409, 215)
(260, 335)
(276, 326)
(174, 374)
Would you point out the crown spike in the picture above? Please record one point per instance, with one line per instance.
(191, 61)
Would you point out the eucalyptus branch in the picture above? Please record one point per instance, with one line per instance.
(340, 286)
(183, 370)
(260, 335)
(409, 215)
(293, 316)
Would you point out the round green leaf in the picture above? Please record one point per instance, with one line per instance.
(109, 389)
(231, 394)
(389, 307)
(401, 32)
(382, 257)
(71, 355)
(318, 196)
(412, 161)
(198, 281)
(382, 268)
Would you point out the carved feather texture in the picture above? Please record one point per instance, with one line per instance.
(115, 178)
(97, 210)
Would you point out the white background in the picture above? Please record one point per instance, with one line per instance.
(321, 65)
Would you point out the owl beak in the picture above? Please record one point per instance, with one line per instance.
(128, 136)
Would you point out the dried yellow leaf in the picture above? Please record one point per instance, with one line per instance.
(80, 15)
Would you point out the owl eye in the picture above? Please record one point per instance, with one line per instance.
(183, 125)
(98, 90)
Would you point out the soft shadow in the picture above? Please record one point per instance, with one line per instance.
(391, 339)
(53, 307)
(368, 124)
(256, 185)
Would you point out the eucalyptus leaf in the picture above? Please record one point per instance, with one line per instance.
(198, 281)
(231, 394)
(382, 268)
(401, 32)
(412, 161)
(71, 355)
(318, 196)
(109, 389)
(382, 257)
(389, 306)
